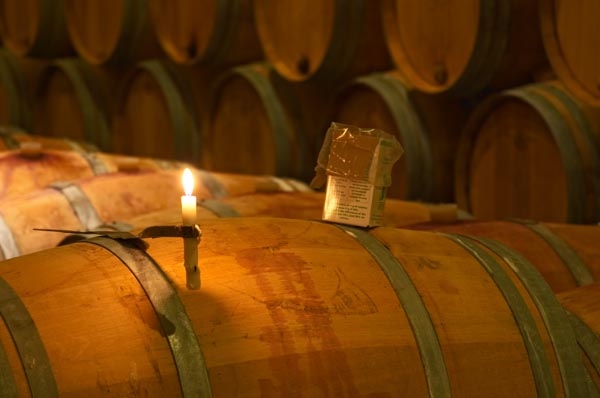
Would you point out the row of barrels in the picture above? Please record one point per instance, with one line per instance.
(460, 47)
(123, 188)
(528, 152)
(301, 308)
(111, 316)
(60, 184)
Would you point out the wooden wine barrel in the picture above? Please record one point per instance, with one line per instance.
(72, 101)
(427, 126)
(290, 308)
(571, 42)
(105, 200)
(532, 153)
(566, 255)
(256, 126)
(299, 205)
(111, 32)
(161, 112)
(35, 28)
(322, 40)
(32, 167)
(209, 32)
(463, 47)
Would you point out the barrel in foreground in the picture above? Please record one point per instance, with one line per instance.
(287, 307)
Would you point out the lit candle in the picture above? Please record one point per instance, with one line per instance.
(188, 202)
(190, 245)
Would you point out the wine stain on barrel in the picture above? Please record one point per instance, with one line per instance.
(299, 316)
(50, 163)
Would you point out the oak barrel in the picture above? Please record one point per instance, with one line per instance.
(114, 33)
(299, 205)
(572, 45)
(208, 32)
(427, 126)
(530, 152)
(256, 126)
(35, 28)
(33, 167)
(72, 100)
(566, 255)
(106, 200)
(464, 47)
(325, 40)
(290, 308)
(159, 112)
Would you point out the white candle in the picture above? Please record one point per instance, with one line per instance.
(188, 201)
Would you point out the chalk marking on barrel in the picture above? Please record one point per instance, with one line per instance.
(28, 342)
(574, 376)
(416, 312)
(538, 360)
(171, 313)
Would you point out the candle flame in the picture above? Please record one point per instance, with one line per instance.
(188, 181)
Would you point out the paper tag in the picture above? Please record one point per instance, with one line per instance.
(352, 202)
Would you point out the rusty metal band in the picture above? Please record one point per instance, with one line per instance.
(416, 312)
(587, 131)
(569, 257)
(569, 154)
(488, 50)
(171, 313)
(587, 339)
(96, 164)
(344, 41)
(95, 122)
(219, 46)
(179, 102)
(411, 132)
(276, 114)
(219, 209)
(8, 245)
(80, 203)
(28, 342)
(8, 387)
(213, 185)
(573, 373)
(538, 360)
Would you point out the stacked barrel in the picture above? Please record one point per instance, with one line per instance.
(104, 103)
